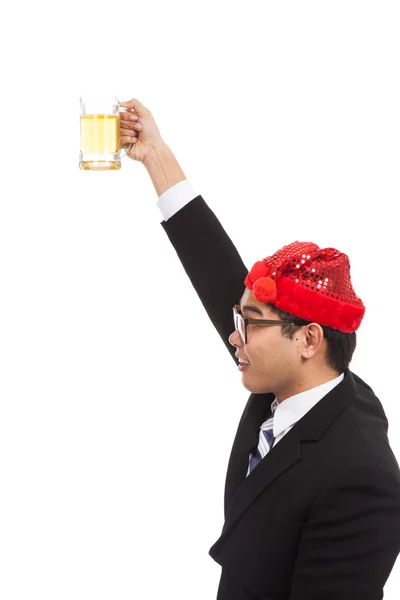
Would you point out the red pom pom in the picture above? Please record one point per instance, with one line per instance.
(259, 269)
(264, 289)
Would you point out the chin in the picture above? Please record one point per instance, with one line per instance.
(256, 388)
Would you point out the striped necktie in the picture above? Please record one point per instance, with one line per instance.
(265, 442)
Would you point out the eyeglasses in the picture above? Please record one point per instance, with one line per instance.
(241, 322)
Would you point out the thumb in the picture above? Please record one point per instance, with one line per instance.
(137, 106)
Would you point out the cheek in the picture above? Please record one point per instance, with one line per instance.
(263, 354)
(271, 354)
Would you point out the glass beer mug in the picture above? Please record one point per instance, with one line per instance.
(100, 133)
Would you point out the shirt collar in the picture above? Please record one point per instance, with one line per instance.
(292, 409)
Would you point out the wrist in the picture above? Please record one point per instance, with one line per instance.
(163, 168)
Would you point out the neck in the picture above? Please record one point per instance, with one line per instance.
(307, 382)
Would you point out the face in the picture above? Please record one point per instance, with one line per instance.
(275, 360)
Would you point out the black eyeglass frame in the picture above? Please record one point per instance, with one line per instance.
(237, 314)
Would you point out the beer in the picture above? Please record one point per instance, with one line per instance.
(100, 133)
(100, 137)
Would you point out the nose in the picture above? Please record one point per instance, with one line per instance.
(235, 339)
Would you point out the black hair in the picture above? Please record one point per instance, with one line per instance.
(340, 346)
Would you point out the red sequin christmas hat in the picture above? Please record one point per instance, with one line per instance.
(310, 283)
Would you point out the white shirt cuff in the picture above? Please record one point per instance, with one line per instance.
(175, 198)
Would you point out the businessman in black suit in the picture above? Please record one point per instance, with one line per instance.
(312, 494)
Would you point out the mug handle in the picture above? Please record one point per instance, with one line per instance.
(129, 146)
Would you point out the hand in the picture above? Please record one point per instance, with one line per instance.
(139, 129)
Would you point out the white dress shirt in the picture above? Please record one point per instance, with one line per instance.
(291, 410)
(175, 198)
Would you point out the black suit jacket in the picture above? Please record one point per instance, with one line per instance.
(319, 517)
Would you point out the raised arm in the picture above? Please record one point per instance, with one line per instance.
(211, 262)
(206, 252)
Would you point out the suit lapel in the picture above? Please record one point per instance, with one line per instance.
(257, 410)
(278, 460)
(242, 491)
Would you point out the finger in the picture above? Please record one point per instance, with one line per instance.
(127, 124)
(131, 126)
(130, 104)
(136, 106)
(127, 116)
(127, 139)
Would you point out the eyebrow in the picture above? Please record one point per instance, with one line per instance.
(250, 308)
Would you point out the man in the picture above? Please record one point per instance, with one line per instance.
(312, 494)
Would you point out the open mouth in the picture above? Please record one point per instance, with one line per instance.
(243, 364)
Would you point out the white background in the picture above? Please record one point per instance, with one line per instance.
(119, 402)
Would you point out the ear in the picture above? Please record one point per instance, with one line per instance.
(313, 340)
